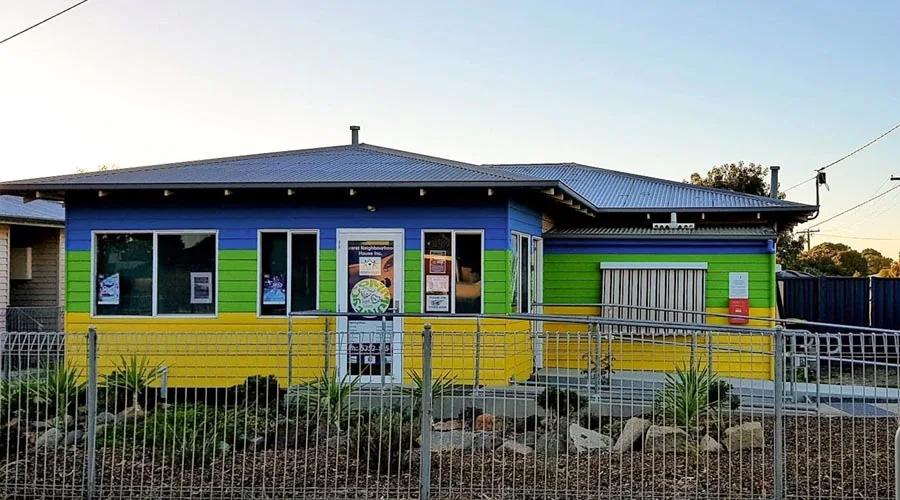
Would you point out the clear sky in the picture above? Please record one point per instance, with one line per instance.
(658, 88)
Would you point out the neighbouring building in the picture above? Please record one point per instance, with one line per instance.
(186, 259)
(31, 264)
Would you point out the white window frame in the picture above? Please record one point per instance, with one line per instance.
(154, 274)
(516, 236)
(289, 233)
(453, 233)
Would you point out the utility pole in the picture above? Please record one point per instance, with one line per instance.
(895, 177)
(809, 237)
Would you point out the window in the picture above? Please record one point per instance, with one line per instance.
(185, 276)
(124, 274)
(182, 266)
(523, 273)
(659, 292)
(289, 278)
(452, 271)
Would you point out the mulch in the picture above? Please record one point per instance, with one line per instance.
(838, 457)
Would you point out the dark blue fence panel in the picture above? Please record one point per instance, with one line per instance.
(886, 303)
(844, 301)
(799, 298)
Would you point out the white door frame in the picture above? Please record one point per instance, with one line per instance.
(537, 262)
(396, 326)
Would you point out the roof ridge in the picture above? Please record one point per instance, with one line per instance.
(655, 179)
(444, 161)
(164, 166)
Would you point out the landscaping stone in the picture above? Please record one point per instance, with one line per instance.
(447, 425)
(746, 436)
(528, 439)
(661, 438)
(516, 447)
(586, 439)
(105, 417)
(631, 434)
(51, 437)
(73, 437)
(551, 444)
(452, 440)
(486, 441)
(484, 422)
(64, 422)
(710, 445)
(40, 425)
(130, 413)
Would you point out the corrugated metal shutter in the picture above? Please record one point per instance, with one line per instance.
(646, 294)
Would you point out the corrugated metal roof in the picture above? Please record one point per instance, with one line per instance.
(618, 191)
(14, 209)
(704, 233)
(355, 165)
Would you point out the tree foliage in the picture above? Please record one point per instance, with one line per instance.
(876, 261)
(747, 178)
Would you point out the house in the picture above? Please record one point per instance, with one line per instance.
(181, 261)
(31, 264)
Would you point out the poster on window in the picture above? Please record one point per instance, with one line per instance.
(370, 276)
(201, 288)
(109, 290)
(437, 283)
(274, 290)
(437, 303)
(437, 262)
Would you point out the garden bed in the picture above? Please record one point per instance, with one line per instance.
(835, 457)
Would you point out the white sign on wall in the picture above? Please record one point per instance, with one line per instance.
(739, 285)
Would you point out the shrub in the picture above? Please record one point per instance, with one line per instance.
(327, 398)
(256, 390)
(385, 439)
(561, 401)
(42, 395)
(689, 395)
(133, 376)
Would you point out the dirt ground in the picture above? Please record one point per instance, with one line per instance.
(827, 457)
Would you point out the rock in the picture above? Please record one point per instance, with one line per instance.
(50, 438)
(586, 439)
(486, 441)
(516, 447)
(631, 434)
(73, 437)
(39, 425)
(64, 422)
(101, 429)
(484, 422)
(130, 413)
(528, 439)
(551, 444)
(256, 443)
(105, 417)
(452, 440)
(709, 445)
(447, 425)
(666, 439)
(745, 436)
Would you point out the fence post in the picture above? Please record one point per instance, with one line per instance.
(90, 459)
(290, 351)
(779, 413)
(426, 414)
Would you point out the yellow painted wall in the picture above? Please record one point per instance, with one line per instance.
(743, 356)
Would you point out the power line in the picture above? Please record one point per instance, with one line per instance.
(848, 155)
(42, 22)
(855, 207)
(857, 237)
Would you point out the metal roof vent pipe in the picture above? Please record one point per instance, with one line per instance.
(354, 135)
(773, 184)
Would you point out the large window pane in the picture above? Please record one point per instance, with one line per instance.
(304, 260)
(186, 268)
(468, 273)
(124, 274)
(438, 271)
(273, 275)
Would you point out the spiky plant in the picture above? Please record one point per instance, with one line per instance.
(688, 396)
(328, 398)
(441, 385)
(133, 375)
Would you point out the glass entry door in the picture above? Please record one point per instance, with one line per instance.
(370, 284)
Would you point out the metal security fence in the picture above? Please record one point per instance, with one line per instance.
(449, 409)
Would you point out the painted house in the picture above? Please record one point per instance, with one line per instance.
(182, 261)
(31, 264)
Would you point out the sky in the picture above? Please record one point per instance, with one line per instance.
(657, 88)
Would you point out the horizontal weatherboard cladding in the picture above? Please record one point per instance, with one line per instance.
(524, 219)
(575, 278)
(238, 223)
